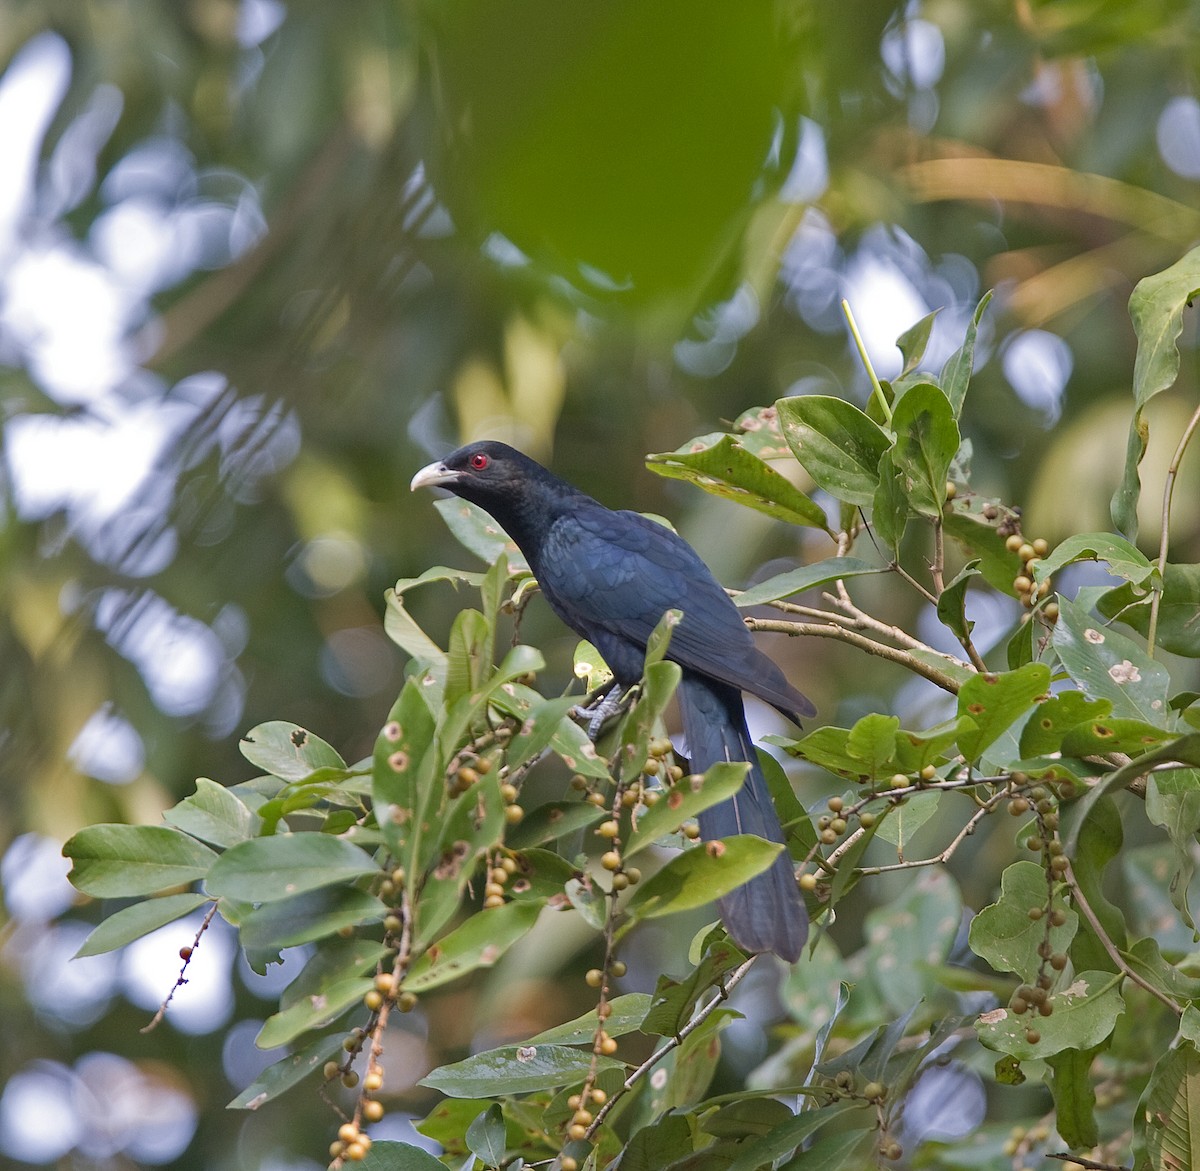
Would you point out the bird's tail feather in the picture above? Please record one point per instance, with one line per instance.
(766, 913)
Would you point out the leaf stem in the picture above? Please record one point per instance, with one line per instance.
(1163, 535)
(865, 358)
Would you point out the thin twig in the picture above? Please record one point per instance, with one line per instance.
(829, 630)
(939, 859)
(1114, 953)
(181, 979)
(864, 621)
(1168, 492)
(723, 991)
(1091, 1164)
(865, 358)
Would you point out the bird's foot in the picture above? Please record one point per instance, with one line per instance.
(598, 713)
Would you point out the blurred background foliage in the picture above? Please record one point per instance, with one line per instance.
(259, 260)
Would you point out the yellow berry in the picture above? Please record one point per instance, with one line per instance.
(610, 860)
(350, 1079)
(608, 829)
(594, 978)
(577, 1132)
(348, 1132)
(509, 792)
(373, 1110)
(384, 981)
(808, 882)
(373, 1000)
(356, 1152)
(406, 1001)
(492, 902)
(493, 890)
(608, 1046)
(618, 968)
(513, 814)
(566, 1163)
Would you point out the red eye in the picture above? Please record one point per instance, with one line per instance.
(479, 461)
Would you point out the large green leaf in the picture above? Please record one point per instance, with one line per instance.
(685, 800)
(289, 1071)
(404, 767)
(1108, 665)
(392, 1156)
(1074, 1096)
(1179, 604)
(838, 445)
(890, 510)
(334, 961)
(124, 926)
(214, 814)
(1084, 1014)
(515, 1069)
(478, 943)
(278, 867)
(1052, 720)
(1156, 307)
(927, 439)
(121, 861)
(1167, 1121)
(290, 752)
(995, 702)
(625, 1015)
(479, 533)
(312, 1012)
(721, 465)
(1005, 936)
(701, 875)
(304, 918)
(1122, 558)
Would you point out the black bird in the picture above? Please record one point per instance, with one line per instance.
(610, 576)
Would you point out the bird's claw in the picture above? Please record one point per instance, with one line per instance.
(596, 714)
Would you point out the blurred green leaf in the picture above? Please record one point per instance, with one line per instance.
(393, 1156)
(625, 1016)
(913, 342)
(400, 626)
(303, 918)
(675, 1000)
(1074, 1096)
(1044, 730)
(312, 1012)
(836, 444)
(479, 534)
(121, 861)
(902, 821)
(1167, 1120)
(1179, 604)
(334, 961)
(552, 821)
(952, 602)
(1156, 307)
(890, 509)
(130, 923)
(956, 374)
(486, 1136)
(722, 466)
(1122, 558)
(287, 1072)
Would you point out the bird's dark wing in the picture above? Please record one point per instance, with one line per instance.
(612, 576)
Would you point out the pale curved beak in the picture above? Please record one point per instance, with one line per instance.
(431, 475)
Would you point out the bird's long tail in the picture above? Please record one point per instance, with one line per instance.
(766, 913)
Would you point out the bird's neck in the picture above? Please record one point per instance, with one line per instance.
(528, 517)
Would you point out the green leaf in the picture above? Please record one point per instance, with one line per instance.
(701, 875)
(403, 770)
(952, 603)
(478, 533)
(1167, 1120)
(927, 439)
(659, 682)
(890, 509)
(1107, 665)
(1096, 737)
(1097, 843)
(1122, 558)
(684, 801)
(400, 626)
(1084, 1014)
(213, 814)
(675, 1000)
(1178, 610)
(902, 821)
(515, 1069)
(391, 1156)
(1005, 936)
(332, 962)
(1156, 307)
(539, 728)
(995, 702)
(911, 934)
(486, 1137)
(121, 861)
(794, 581)
(1044, 730)
(626, 1015)
(124, 926)
(468, 654)
(266, 869)
(721, 465)
(836, 444)
(979, 536)
(1074, 1097)
(288, 751)
(829, 747)
(757, 1153)
(914, 340)
(1146, 959)
(837, 1152)
(289, 1071)
(956, 374)
(478, 943)
(552, 821)
(1147, 872)
(655, 1146)
(312, 1012)
(589, 665)
(1173, 802)
(308, 917)
(872, 742)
